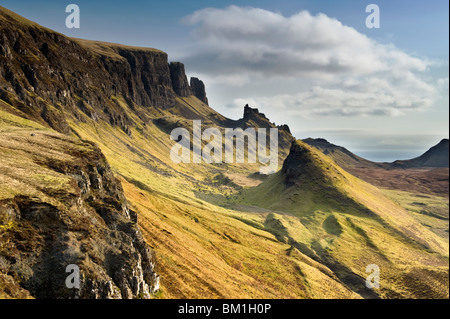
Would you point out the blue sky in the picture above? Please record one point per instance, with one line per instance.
(411, 50)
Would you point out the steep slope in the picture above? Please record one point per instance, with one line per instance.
(348, 224)
(90, 88)
(437, 156)
(342, 156)
(427, 174)
(54, 80)
(51, 78)
(60, 204)
(124, 99)
(202, 250)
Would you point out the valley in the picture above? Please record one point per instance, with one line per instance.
(204, 230)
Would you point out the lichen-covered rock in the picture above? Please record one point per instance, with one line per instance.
(79, 217)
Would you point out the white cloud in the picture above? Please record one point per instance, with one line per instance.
(342, 72)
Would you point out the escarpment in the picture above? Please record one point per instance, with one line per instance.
(51, 78)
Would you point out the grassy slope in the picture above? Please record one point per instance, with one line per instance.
(431, 211)
(345, 235)
(23, 143)
(243, 251)
(203, 250)
(263, 244)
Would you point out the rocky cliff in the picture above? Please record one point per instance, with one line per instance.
(61, 205)
(49, 77)
(198, 89)
(179, 80)
(254, 118)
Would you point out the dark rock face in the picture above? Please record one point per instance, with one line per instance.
(297, 165)
(81, 77)
(254, 118)
(179, 80)
(285, 127)
(144, 77)
(89, 224)
(198, 89)
(254, 114)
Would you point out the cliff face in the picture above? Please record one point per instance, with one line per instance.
(179, 80)
(48, 76)
(198, 89)
(254, 118)
(70, 211)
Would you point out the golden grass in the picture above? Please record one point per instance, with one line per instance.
(258, 245)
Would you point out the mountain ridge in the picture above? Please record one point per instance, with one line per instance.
(436, 156)
(308, 231)
(332, 204)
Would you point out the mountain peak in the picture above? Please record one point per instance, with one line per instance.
(436, 156)
(251, 113)
(303, 164)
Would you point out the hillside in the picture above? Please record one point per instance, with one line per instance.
(343, 223)
(437, 156)
(426, 174)
(85, 139)
(342, 156)
(60, 205)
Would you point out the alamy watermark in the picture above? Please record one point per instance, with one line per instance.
(373, 280)
(73, 280)
(373, 19)
(212, 151)
(73, 19)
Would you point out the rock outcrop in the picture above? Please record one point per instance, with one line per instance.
(74, 214)
(180, 83)
(252, 114)
(254, 118)
(198, 89)
(48, 76)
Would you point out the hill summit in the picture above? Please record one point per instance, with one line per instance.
(437, 156)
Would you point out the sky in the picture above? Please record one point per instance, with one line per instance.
(383, 93)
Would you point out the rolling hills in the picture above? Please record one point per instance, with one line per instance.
(426, 174)
(345, 223)
(217, 230)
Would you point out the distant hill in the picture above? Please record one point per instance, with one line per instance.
(337, 216)
(342, 156)
(85, 153)
(427, 174)
(437, 156)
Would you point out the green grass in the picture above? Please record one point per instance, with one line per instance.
(431, 211)
(267, 242)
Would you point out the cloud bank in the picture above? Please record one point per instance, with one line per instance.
(339, 71)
